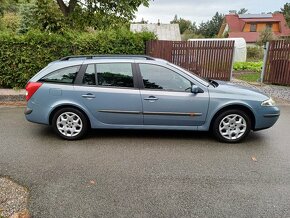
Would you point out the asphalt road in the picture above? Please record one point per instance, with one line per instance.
(147, 173)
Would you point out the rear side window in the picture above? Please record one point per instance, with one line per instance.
(66, 75)
(115, 74)
(90, 75)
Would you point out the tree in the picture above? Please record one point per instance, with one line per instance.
(265, 36)
(211, 28)
(286, 12)
(10, 5)
(184, 25)
(58, 15)
(121, 8)
(9, 16)
(43, 15)
(242, 11)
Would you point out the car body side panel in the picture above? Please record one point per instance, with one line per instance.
(223, 99)
(47, 98)
(175, 108)
(114, 106)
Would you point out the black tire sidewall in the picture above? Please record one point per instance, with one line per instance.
(82, 117)
(219, 118)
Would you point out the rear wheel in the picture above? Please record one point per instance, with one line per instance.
(70, 123)
(232, 126)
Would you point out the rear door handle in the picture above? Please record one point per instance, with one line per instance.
(151, 98)
(89, 95)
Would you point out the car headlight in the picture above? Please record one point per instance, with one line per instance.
(269, 102)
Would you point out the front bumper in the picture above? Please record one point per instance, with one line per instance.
(267, 117)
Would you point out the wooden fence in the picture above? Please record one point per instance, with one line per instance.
(209, 59)
(277, 65)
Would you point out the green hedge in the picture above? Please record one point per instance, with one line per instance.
(21, 56)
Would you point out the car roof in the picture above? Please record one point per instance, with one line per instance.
(92, 59)
(87, 59)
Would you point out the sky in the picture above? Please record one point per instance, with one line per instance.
(202, 10)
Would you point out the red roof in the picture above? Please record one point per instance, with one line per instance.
(237, 24)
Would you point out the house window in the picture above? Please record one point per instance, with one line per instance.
(269, 26)
(253, 27)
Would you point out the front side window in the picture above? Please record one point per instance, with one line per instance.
(66, 75)
(115, 75)
(161, 78)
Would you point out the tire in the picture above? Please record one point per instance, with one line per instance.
(232, 126)
(70, 123)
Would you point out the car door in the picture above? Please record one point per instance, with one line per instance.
(168, 100)
(108, 91)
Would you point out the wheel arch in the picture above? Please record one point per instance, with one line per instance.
(68, 106)
(241, 107)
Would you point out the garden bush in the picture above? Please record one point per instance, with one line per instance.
(21, 56)
(255, 53)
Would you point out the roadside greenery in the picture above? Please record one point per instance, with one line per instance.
(249, 77)
(248, 71)
(248, 66)
(21, 56)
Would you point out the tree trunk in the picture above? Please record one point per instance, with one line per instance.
(66, 10)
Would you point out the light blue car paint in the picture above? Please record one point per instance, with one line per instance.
(103, 106)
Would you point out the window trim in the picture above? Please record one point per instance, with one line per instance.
(142, 87)
(80, 76)
(83, 74)
(60, 83)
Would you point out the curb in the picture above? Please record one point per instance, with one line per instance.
(9, 98)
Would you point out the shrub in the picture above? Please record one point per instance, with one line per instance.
(21, 56)
(255, 53)
(248, 66)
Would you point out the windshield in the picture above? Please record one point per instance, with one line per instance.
(198, 78)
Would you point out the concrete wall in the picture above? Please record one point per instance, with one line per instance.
(163, 31)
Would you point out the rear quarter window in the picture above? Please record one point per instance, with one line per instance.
(65, 75)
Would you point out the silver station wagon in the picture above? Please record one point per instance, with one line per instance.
(76, 93)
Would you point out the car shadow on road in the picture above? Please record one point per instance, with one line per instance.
(166, 134)
(115, 134)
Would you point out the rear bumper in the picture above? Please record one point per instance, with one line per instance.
(27, 111)
(35, 113)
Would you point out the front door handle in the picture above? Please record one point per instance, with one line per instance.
(151, 98)
(88, 96)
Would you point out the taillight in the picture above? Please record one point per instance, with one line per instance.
(31, 88)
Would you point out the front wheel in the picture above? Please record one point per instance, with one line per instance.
(70, 123)
(232, 126)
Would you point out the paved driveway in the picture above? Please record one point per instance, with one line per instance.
(146, 173)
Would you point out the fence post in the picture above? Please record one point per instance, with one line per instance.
(266, 49)
(233, 60)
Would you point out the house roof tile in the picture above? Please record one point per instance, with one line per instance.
(236, 26)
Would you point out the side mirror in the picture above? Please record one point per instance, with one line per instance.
(195, 89)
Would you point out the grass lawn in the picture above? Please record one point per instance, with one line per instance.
(249, 77)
